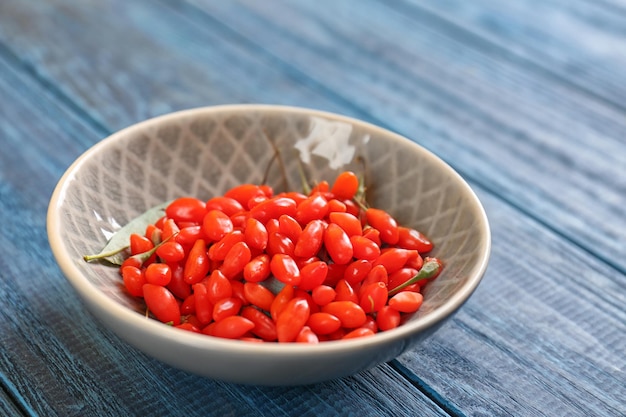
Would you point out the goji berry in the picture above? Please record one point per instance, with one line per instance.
(400, 277)
(273, 208)
(280, 301)
(131, 261)
(218, 286)
(323, 294)
(134, 279)
(236, 259)
(373, 297)
(335, 273)
(255, 234)
(219, 249)
(350, 313)
(348, 222)
(171, 252)
(406, 301)
(310, 240)
(336, 206)
(314, 207)
(161, 303)
(197, 263)
(232, 327)
(298, 292)
(226, 205)
(139, 244)
(364, 248)
(370, 323)
(323, 323)
(279, 243)
(264, 326)
(345, 292)
(346, 185)
(244, 192)
(258, 295)
(392, 259)
(313, 275)
(387, 318)
(186, 209)
(258, 269)
(307, 335)
(360, 332)
(237, 289)
(338, 244)
(412, 239)
(177, 284)
(285, 269)
(158, 274)
(189, 327)
(377, 274)
(203, 307)
(226, 307)
(216, 225)
(321, 187)
(288, 226)
(188, 306)
(415, 260)
(188, 235)
(384, 223)
(357, 271)
(373, 235)
(153, 234)
(170, 229)
(292, 319)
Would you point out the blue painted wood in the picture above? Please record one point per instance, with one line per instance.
(536, 128)
(8, 407)
(500, 123)
(55, 359)
(542, 335)
(579, 41)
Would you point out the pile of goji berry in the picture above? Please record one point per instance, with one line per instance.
(287, 267)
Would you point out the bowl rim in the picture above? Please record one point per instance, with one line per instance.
(100, 301)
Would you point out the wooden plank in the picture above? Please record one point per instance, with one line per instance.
(8, 407)
(544, 334)
(536, 399)
(501, 124)
(58, 360)
(117, 87)
(459, 362)
(424, 74)
(579, 41)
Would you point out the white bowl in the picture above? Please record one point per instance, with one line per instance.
(203, 152)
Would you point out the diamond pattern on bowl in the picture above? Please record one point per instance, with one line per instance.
(203, 154)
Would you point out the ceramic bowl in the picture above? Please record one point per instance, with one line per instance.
(203, 152)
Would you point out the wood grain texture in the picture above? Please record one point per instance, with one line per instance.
(580, 42)
(61, 362)
(533, 336)
(8, 407)
(509, 137)
(165, 64)
(500, 123)
(525, 111)
(56, 360)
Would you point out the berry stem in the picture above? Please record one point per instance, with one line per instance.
(429, 270)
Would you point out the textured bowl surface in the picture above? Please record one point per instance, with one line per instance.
(202, 153)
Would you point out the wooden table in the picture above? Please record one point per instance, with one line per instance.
(525, 99)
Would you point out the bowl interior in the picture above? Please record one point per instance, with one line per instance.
(204, 152)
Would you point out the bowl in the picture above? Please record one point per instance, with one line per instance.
(203, 152)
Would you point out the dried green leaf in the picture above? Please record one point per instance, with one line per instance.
(115, 250)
